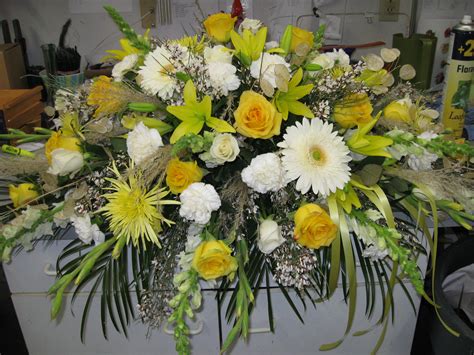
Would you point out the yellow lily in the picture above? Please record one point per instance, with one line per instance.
(129, 122)
(194, 115)
(249, 47)
(369, 145)
(127, 49)
(347, 198)
(287, 102)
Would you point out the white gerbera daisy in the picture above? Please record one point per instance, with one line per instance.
(316, 156)
(157, 74)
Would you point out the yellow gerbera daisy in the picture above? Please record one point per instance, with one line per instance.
(133, 211)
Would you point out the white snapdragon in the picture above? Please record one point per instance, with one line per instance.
(86, 231)
(266, 67)
(143, 143)
(224, 148)
(421, 161)
(122, 67)
(265, 173)
(198, 202)
(269, 236)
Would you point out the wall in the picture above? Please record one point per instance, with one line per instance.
(41, 21)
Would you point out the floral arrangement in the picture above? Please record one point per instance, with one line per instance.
(224, 158)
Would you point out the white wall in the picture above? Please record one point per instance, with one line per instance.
(41, 20)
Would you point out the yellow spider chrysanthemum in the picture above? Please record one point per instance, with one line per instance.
(133, 211)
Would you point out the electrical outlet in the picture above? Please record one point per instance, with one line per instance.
(389, 10)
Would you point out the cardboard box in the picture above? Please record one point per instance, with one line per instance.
(20, 109)
(12, 67)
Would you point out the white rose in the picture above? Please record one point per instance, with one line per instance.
(324, 61)
(269, 236)
(223, 77)
(266, 67)
(265, 173)
(339, 57)
(217, 54)
(253, 25)
(198, 202)
(271, 44)
(64, 162)
(121, 68)
(224, 148)
(143, 143)
(86, 231)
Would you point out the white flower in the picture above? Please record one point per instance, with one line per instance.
(265, 173)
(122, 67)
(389, 54)
(266, 67)
(31, 215)
(155, 74)
(271, 44)
(253, 25)
(339, 57)
(86, 231)
(198, 201)
(374, 62)
(324, 61)
(223, 77)
(316, 156)
(143, 143)
(224, 148)
(374, 253)
(269, 236)
(422, 161)
(217, 54)
(407, 72)
(64, 162)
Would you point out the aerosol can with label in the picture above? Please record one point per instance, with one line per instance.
(460, 74)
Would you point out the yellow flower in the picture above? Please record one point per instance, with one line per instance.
(59, 140)
(400, 111)
(370, 145)
(22, 194)
(70, 123)
(180, 174)
(219, 26)
(110, 97)
(127, 49)
(300, 37)
(133, 210)
(313, 227)
(256, 117)
(192, 43)
(212, 259)
(347, 198)
(353, 110)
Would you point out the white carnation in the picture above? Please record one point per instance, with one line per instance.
(339, 57)
(223, 77)
(253, 25)
(217, 54)
(143, 143)
(266, 67)
(86, 231)
(121, 68)
(265, 173)
(198, 201)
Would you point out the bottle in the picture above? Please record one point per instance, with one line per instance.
(460, 73)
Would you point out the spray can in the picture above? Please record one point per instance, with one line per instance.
(460, 74)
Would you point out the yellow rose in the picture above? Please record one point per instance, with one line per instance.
(219, 26)
(22, 194)
(313, 227)
(59, 140)
(300, 36)
(256, 117)
(353, 110)
(398, 111)
(212, 259)
(180, 174)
